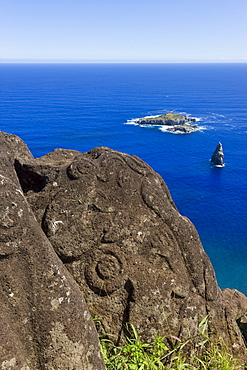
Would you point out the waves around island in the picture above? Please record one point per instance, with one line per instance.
(210, 121)
(133, 121)
(81, 106)
(166, 128)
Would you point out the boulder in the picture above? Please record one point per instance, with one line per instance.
(112, 221)
(44, 320)
(236, 303)
(217, 158)
(15, 147)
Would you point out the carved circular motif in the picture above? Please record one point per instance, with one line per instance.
(80, 167)
(105, 271)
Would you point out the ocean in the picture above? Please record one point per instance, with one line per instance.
(81, 106)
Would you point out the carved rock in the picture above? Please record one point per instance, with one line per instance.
(112, 221)
(236, 302)
(44, 320)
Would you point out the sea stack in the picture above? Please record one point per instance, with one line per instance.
(217, 158)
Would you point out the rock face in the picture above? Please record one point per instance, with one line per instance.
(182, 129)
(217, 158)
(175, 123)
(236, 302)
(44, 320)
(111, 220)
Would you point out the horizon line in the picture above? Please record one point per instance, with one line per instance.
(98, 61)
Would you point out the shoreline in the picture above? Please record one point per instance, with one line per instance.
(168, 122)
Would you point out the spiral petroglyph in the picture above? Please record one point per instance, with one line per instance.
(80, 167)
(105, 271)
(112, 221)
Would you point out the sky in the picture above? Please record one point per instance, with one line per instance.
(123, 30)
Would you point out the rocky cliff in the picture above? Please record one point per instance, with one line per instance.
(217, 158)
(44, 320)
(111, 221)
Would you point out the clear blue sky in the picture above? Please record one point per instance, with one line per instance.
(124, 30)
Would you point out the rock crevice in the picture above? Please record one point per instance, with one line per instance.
(112, 222)
(44, 319)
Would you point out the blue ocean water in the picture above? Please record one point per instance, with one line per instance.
(80, 106)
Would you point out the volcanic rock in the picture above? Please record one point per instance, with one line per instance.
(182, 129)
(217, 158)
(44, 320)
(112, 221)
(169, 119)
(236, 302)
(175, 123)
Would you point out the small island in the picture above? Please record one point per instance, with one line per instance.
(175, 123)
(217, 159)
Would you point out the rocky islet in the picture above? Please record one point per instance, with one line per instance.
(217, 158)
(172, 122)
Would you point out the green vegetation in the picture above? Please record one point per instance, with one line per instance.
(197, 353)
(172, 116)
(164, 117)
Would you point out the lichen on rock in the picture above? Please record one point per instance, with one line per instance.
(134, 256)
(36, 289)
(107, 232)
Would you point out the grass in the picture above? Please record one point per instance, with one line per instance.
(165, 117)
(198, 353)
